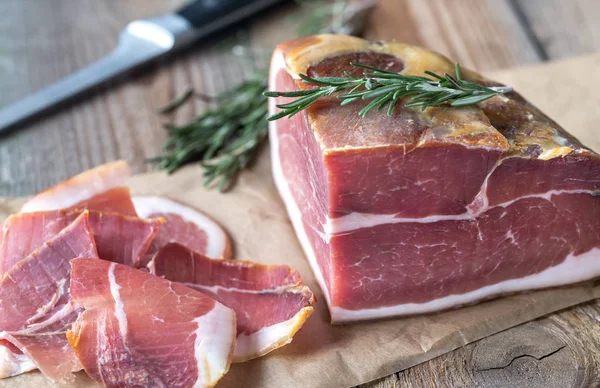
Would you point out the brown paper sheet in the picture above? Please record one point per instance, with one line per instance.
(322, 355)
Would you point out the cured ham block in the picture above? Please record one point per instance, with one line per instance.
(35, 305)
(100, 188)
(119, 238)
(139, 330)
(270, 301)
(426, 210)
(184, 225)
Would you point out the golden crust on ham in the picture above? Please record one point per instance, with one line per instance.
(483, 125)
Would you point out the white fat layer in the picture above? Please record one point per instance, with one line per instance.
(79, 188)
(216, 238)
(59, 315)
(13, 364)
(42, 310)
(268, 338)
(573, 269)
(215, 339)
(354, 221)
(547, 196)
(294, 213)
(119, 306)
(216, 288)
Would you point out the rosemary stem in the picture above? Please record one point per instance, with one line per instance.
(384, 89)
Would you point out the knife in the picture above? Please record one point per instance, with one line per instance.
(140, 42)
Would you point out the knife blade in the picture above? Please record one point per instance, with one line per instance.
(140, 42)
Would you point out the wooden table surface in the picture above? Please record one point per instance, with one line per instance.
(43, 40)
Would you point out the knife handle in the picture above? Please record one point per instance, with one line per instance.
(216, 14)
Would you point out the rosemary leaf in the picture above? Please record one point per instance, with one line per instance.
(228, 134)
(176, 103)
(384, 89)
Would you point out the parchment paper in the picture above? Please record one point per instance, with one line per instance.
(322, 355)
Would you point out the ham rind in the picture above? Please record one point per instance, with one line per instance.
(35, 306)
(139, 330)
(83, 188)
(184, 225)
(119, 238)
(427, 210)
(270, 301)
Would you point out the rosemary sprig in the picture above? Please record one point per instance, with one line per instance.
(223, 138)
(385, 89)
(226, 136)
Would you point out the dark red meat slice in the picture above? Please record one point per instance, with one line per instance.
(119, 238)
(139, 330)
(117, 200)
(35, 308)
(270, 301)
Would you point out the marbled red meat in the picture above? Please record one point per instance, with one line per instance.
(139, 330)
(97, 189)
(184, 225)
(119, 238)
(270, 301)
(425, 210)
(35, 305)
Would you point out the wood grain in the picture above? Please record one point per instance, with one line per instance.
(563, 28)
(561, 350)
(43, 40)
(53, 39)
(484, 35)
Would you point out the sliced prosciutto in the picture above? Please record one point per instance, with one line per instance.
(429, 209)
(100, 188)
(184, 225)
(139, 330)
(35, 305)
(117, 200)
(270, 301)
(119, 238)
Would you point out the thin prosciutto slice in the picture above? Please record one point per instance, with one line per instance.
(184, 225)
(139, 330)
(117, 200)
(35, 306)
(270, 301)
(98, 189)
(119, 238)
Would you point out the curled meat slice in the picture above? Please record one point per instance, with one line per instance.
(139, 330)
(270, 301)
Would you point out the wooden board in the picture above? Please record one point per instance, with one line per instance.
(42, 40)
